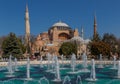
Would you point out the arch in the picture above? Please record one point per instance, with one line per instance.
(63, 36)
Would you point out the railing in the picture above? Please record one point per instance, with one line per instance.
(60, 61)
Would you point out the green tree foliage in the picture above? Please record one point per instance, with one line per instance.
(111, 40)
(99, 47)
(23, 48)
(1, 40)
(96, 37)
(117, 47)
(28, 46)
(12, 45)
(67, 48)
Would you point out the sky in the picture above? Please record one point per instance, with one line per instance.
(76, 13)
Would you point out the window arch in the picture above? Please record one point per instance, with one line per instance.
(63, 36)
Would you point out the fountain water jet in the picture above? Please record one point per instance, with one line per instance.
(118, 73)
(10, 67)
(16, 66)
(58, 79)
(44, 80)
(62, 63)
(41, 60)
(73, 64)
(93, 74)
(114, 63)
(67, 80)
(118, 69)
(84, 58)
(62, 58)
(48, 59)
(79, 80)
(54, 60)
(28, 69)
(84, 64)
(100, 63)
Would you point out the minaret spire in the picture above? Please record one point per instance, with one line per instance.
(26, 8)
(82, 32)
(95, 26)
(27, 26)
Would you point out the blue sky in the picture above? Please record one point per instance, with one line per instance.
(44, 13)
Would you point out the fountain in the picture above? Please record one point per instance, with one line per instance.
(100, 63)
(16, 66)
(84, 58)
(84, 64)
(62, 59)
(79, 80)
(7, 82)
(67, 80)
(10, 67)
(41, 59)
(73, 64)
(62, 63)
(118, 73)
(114, 63)
(93, 74)
(58, 79)
(39, 75)
(43, 80)
(54, 60)
(28, 69)
(118, 69)
(48, 59)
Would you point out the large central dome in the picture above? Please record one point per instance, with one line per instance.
(60, 24)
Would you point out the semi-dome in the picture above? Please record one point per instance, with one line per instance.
(60, 24)
(78, 38)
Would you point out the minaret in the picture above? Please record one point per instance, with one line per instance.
(95, 27)
(27, 27)
(82, 32)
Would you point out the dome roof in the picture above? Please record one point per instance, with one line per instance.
(87, 41)
(77, 38)
(60, 24)
(49, 44)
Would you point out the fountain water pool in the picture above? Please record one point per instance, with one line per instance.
(40, 76)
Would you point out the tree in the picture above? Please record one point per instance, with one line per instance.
(26, 48)
(23, 48)
(12, 45)
(1, 41)
(98, 48)
(111, 40)
(96, 37)
(67, 48)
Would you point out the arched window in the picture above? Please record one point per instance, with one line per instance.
(63, 36)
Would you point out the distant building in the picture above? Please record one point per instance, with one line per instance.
(51, 40)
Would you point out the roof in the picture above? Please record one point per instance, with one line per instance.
(60, 24)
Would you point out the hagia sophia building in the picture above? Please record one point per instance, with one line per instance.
(51, 40)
